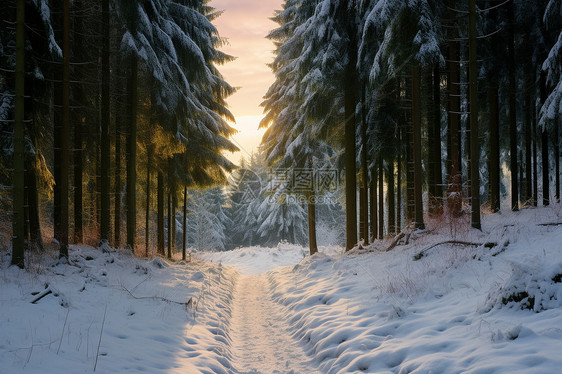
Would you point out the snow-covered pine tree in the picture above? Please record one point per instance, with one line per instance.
(207, 222)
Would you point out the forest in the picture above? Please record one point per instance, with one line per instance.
(114, 122)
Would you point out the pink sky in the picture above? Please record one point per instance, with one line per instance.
(245, 23)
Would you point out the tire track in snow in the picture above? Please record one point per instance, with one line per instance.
(261, 340)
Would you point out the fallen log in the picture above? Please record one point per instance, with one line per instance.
(421, 253)
(46, 292)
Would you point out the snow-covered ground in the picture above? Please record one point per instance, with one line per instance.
(455, 309)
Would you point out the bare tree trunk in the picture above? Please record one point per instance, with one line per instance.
(381, 199)
(390, 197)
(474, 140)
(117, 187)
(170, 213)
(528, 140)
(65, 131)
(132, 155)
(416, 113)
(453, 82)
(350, 99)
(312, 225)
(374, 217)
(160, 203)
(105, 127)
(18, 180)
(184, 224)
(494, 149)
(545, 160)
(513, 165)
(149, 152)
(535, 156)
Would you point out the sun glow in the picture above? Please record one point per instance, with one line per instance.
(248, 137)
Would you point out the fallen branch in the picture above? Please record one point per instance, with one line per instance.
(187, 303)
(394, 242)
(421, 253)
(101, 333)
(47, 291)
(62, 333)
(550, 224)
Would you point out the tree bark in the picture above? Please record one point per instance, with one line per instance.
(535, 155)
(170, 214)
(160, 219)
(117, 187)
(557, 157)
(18, 180)
(528, 140)
(416, 115)
(312, 225)
(132, 155)
(149, 152)
(513, 165)
(435, 148)
(105, 126)
(381, 199)
(454, 198)
(474, 140)
(184, 224)
(545, 155)
(390, 197)
(494, 149)
(364, 197)
(350, 99)
(65, 131)
(399, 183)
(374, 217)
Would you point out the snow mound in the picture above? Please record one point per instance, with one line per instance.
(535, 287)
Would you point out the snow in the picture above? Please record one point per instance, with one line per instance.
(458, 308)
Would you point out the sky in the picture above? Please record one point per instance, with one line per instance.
(245, 23)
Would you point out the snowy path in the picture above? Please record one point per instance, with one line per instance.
(261, 340)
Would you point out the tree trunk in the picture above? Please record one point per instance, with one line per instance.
(399, 184)
(184, 224)
(170, 224)
(117, 187)
(454, 198)
(474, 140)
(381, 199)
(18, 180)
(513, 165)
(149, 152)
(374, 217)
(35, 236)
(494, 149)
(105, 126)
(390, 197)
(350, 98)
(545, 156)
(557, 157)
(528, 140)
(364, 197)
(79, 100)
(132, 155)
(416, 115)
(65, 131)
(435, 149)
(535, 155)
(160, 219)
(312, 225)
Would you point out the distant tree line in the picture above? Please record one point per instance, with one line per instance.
(419, 97)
